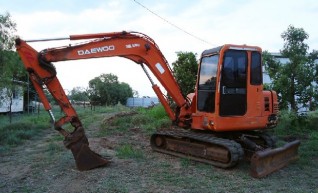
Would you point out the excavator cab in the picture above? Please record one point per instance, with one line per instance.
(230, 89)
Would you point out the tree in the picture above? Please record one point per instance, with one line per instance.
(78, 94)
(294, 80)
(11, 67)
(7, 29)
(7, 56)
(124, 92)
(185, 71)
(107, 90)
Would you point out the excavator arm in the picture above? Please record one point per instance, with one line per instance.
(131, 45)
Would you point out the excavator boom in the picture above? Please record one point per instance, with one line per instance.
(134, 46)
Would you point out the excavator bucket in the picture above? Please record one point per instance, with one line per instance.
(270, 160)
(84, 157)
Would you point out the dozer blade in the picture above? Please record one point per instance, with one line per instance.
(270, 160)
(84, 157)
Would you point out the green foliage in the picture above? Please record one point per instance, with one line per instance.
(147, 119)
(107, 90)
(309, 148)
(303, 127)
(291, 123)
(123, 123)
(11, 66)
(79, 94)
(157, 112)
(7, 30)
(7, 56)
(22, 128)
(185, 71)
(294, 80)
(312, 122)
(128, 152)
(124, 92)
(155, 118)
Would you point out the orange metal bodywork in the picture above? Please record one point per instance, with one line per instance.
(143, 50)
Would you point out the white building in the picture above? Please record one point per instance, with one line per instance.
(17, 100)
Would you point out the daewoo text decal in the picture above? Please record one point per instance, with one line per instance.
(96, 50)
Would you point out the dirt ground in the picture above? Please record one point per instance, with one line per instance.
(44, 165)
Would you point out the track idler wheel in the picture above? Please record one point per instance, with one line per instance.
(159, 141)
(84, 157)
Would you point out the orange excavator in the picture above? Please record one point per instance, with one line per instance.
(222, 122)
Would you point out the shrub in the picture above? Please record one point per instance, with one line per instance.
(313, 120)
(157, 112)
(291, 123)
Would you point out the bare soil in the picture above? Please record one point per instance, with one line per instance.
(44, 165)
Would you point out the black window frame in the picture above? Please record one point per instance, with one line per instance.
(207, 86)
(209, 83)
(256, 69)
(232, 77)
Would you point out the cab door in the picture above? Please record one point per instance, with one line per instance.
(233, 92)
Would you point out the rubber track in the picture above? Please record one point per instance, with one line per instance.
(233, 147)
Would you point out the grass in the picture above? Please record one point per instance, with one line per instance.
(148, 171)
(112, 186)
(53, 148)
(17, 132)
(304, 128)
(147, 119)
(128, 152)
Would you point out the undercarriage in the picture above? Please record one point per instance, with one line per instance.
(224, 150)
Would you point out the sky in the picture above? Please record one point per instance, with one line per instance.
(179, 25)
